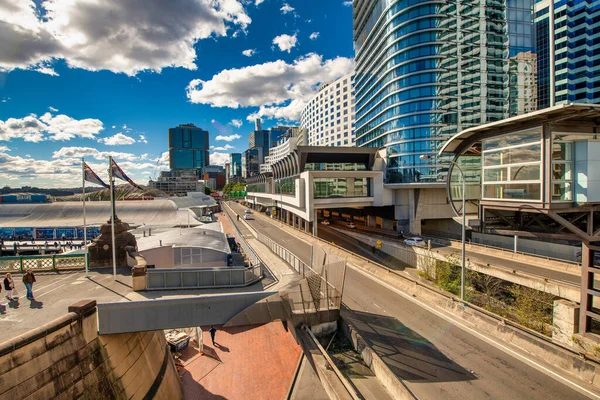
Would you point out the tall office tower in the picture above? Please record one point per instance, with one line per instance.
(568, 51)
(235, 164)
(329, 115)
(188, 147)
(426, 70)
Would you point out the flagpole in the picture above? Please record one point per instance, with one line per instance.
(84, 219)
(112, 216)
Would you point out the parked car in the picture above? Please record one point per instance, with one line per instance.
(326, 222)
(415, 241)
(351, 225)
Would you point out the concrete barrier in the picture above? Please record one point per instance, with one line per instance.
(67, 359)
(384, 374)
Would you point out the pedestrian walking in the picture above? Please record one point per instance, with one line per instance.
(212, 332)
(9, 286)
(29, 280)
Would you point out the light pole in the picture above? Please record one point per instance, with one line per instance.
(464, 221)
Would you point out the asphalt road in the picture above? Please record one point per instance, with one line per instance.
(435, 357)
(477, 257)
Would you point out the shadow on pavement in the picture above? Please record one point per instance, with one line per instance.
(409, 355)
(194, 390)
(36, 304)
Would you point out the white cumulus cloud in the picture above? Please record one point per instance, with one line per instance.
(217, 158)
(285, 42)
(143, 139)
(48, 127)
(117, 140)
(258, 2)
(249, 52)
(314, 35)
(115, 35)
(223, 148)
(279, 88)
(236, 122)
(286, 8)
(53, 109)
(347, 3)
(79, 152)
(228, 138)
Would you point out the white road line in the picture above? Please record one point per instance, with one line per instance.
(475, 333)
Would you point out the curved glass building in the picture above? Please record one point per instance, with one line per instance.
(428, 69)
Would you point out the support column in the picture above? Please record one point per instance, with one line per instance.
(315, 225)
(306, 226)
(414, 224)
(287, 217)
(587, 276)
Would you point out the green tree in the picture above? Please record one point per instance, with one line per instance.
(531, 307)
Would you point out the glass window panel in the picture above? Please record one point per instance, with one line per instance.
(562, 171)
(562, 151)
(562, 191)
(495, 175)
(525, 173)
(512, 139)
(521, 191)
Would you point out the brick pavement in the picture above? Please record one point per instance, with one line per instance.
(227, 228)
(254, 362)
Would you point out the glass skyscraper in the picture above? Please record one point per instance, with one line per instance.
(426, 70)
(569, 51)
(235, 164)
(188, 147)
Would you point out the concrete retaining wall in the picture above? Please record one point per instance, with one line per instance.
(384, 374)
(66, 359)
(553, 250)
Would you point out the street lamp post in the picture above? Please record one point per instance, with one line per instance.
(464, 223)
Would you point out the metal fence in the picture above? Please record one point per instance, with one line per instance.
(320, 293)
(201, 278)
(42, 263)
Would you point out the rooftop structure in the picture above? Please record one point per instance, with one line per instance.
(178, 182)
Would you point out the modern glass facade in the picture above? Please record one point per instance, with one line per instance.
(235, 164)
(341, 187)
(426, 70)
(251, 162)
(188, 147)
(567, 31)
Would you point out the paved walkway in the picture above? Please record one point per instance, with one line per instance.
(255, 362)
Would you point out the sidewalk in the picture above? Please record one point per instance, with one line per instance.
(254, 362)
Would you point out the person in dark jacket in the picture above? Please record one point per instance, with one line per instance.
(212, 332)
(9, 285)
(29, 280)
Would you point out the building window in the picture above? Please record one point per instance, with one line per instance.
(512, 166)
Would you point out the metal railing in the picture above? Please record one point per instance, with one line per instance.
(43, 263)
(202, 278)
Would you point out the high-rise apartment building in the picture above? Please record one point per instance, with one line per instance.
(329, 115)
(426, 70)
(188, 147)
(568, 51)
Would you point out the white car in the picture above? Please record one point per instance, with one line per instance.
(351, 225)
(247, 212)
(415, 241)
(325, 222)
(247, 216)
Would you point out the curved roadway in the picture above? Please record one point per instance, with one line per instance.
(435, 358)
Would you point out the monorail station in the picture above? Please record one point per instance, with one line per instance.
(536, 176)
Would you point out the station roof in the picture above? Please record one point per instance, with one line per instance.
(583, 113)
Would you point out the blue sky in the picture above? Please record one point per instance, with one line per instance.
(92, 78)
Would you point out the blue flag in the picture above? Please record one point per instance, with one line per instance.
(91, 176)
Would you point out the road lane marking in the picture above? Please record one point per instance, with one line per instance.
(476, 333)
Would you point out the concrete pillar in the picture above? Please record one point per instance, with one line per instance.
(565, 321)
(387, 224)
(306, 223)
(315, 225)
(516, 244)
(287, 217)
(414, 225)
(371, 221)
